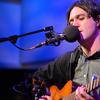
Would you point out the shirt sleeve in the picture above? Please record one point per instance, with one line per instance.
(55, 72)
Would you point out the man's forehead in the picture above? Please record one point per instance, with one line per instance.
(76, 11)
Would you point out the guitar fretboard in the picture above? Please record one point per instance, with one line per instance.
(95, 83)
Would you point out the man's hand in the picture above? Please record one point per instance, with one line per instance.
(45, 98)
(82, 95)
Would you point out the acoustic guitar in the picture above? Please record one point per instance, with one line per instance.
(66, 92)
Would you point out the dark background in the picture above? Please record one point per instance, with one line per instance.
(10, 78)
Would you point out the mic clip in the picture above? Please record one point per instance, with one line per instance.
(50, 35)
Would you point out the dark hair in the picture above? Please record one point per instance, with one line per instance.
(92, 7)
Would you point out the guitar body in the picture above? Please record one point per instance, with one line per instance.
(57, 94)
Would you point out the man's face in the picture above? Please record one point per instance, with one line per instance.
(85, 23)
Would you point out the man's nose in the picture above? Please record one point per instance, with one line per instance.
(75, 23)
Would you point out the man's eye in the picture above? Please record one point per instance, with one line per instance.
(81, 17)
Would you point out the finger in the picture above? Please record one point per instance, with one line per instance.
(77, 94)
(87, 96)
(79, 97)
(77, 91)
(83, 93)
(45, 98)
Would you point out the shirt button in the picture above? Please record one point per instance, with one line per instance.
(84, 75)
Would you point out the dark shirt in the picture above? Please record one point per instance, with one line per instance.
(71, 66)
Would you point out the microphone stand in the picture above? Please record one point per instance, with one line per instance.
(14, 38)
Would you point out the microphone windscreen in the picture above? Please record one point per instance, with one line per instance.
(71, 33)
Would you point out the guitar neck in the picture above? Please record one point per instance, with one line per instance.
(95, 83)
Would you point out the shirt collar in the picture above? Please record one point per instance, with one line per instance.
(93, 57)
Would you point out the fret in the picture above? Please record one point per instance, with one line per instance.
(94, 84)
(98, 82)
(91, 84)
(88, 87)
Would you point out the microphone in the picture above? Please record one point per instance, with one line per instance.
(70, 34)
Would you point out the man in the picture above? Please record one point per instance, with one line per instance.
(82, 63)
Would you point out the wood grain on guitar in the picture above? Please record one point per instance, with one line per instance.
(57, 94)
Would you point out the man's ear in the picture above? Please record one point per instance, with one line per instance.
(98, 21)
(98, 24)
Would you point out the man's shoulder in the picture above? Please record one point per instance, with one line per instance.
(74, 52)
(69, 55)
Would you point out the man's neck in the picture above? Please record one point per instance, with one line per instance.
(89, 48)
